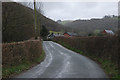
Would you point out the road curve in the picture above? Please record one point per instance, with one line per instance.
(63, 63)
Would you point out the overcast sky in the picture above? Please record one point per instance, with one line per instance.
(79, 10)
(83, 9)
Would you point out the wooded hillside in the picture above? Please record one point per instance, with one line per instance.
(18, 22)
(84, 27)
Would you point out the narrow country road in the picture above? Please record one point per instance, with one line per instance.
(63, 63)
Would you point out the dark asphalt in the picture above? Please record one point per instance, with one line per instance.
(63, 63)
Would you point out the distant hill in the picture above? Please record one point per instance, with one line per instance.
(88, 26)
(18, 22)
(64, 22)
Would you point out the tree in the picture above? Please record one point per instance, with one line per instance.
(44, 32)
(36, 6)
(89, 34)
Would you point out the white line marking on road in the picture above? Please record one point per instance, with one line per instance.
(44, 64)
(50, 60)
(58, 45)
(65, 66)
(61, 52)
(63, 47)
(51, 45)
(65, 69)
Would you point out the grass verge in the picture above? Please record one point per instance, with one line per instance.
(110, 68)
(14, 70)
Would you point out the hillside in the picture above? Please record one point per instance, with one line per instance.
(89, 26)
(18, 22)
(64, 22)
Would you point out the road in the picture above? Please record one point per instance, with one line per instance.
(63, 63)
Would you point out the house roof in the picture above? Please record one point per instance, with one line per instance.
(71, 33)
(109, 32)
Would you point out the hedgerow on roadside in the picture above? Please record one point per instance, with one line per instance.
(104, 50)
(20, 56)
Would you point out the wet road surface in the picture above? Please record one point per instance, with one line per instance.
(63, 63)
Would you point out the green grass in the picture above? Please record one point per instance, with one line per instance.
(110, 68)
(13, 70)
(6, 72)
(54, 32)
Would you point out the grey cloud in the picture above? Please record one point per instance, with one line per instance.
(79, 10)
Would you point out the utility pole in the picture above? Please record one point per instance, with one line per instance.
(35, 19)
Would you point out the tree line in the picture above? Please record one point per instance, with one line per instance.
(85, 27)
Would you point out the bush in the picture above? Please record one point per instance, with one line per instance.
(17, 53)
(20, 56)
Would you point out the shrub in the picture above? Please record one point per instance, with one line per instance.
(20, 52)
